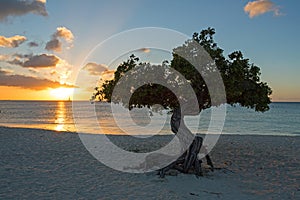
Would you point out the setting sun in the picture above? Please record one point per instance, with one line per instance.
(62, 93)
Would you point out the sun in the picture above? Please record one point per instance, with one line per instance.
(61, 93)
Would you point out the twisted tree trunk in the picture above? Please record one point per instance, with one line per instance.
(188, 161)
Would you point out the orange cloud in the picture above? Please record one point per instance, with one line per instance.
(108, 75)
(28, 82)
(95, 69)
(145, 50)
(55, 44)
(3, 57)
(11, 42)
(259, 7)
(63, 32)
(18, 8)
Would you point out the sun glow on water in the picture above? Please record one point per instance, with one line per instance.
(60, 116)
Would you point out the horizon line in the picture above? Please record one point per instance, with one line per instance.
(66, 100)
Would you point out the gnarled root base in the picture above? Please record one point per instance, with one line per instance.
(189, 162)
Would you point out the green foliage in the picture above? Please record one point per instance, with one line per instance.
(241, 79)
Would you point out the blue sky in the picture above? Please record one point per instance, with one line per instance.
(269, 39)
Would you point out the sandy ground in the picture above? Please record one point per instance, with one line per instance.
(40, 164)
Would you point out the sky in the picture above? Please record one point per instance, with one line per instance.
(48, 48)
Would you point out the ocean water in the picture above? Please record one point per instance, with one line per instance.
(281, 119)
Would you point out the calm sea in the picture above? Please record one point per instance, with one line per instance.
(281, 119)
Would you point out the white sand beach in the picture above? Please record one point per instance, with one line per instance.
(40, 164)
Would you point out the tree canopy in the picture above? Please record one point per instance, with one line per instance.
(240, 77)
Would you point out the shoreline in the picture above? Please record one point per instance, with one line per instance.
(74, 132)
(46, 164)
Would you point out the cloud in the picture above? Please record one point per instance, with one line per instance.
(145, 50)
(33, 44)
(28, 82)
(11, 42)
(63, 32)
(52, 66)
(3, 57)
(100, 70)
(20, 7)
(95, 69)
(108, 75)
(259, 7)
(55, 44)
(35, 61)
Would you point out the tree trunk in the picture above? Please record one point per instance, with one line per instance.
(188, 162)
